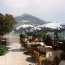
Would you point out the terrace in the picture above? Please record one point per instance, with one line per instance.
(18, 54)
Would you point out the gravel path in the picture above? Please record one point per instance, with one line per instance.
(14, 56)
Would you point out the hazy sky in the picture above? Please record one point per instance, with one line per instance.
(48, 10)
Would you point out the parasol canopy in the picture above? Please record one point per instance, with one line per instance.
(53, 25)
(25, 26)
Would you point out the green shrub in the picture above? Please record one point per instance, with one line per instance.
(22, 35)
(2, 50)
(30, 33)
(42, 34)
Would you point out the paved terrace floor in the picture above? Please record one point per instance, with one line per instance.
(14, 55)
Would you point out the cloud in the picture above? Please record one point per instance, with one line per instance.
(42, 8)
(16, 3)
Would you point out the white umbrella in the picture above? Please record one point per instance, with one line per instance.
(24, 26)
(34, 29)
(41, 26)
(63, 26)
(53, 25)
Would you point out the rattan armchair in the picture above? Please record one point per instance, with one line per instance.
(31, 50)
(39, 58)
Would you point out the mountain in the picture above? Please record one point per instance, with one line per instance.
(28, 19)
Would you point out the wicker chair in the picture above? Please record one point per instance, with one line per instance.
(39, 58)
(31, 50)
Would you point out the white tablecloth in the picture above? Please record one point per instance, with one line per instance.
(62, 62)
(48, 46)
(51, 54)
(43, 48)
(41, 43)
(29, 44)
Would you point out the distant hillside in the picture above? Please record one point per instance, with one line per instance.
(28, 19)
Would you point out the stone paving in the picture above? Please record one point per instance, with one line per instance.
(14, 55)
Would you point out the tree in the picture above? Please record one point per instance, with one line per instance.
(6, 23)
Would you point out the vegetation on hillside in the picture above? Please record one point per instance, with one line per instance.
(31, 19)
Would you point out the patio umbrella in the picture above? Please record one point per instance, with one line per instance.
(45, 29)
(41, 26)
(35, 29)
(24, 27)
(53, 25)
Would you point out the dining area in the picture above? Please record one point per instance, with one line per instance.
(47, 53)
(44, 49)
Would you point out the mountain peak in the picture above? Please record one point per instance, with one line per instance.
(29, 18)
(25, 14)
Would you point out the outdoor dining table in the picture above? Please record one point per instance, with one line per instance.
(62, 62)
(51, 54)
(35, 43)
(41, 48)
(44, 48)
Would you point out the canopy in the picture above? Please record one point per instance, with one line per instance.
(24, 26)
(50, 26)
(41, 26)
(34, 29)
(53, 25)
(63, 26)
